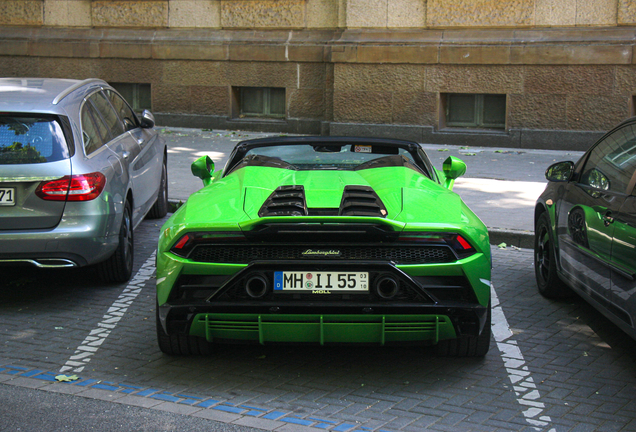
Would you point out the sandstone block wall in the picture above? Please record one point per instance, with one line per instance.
(364, 66)
(310, 14)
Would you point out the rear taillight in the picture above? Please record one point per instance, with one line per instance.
(457, 242)
(84, 187)
(189, 241)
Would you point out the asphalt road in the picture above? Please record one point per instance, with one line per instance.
(25, 409)
(552, 366)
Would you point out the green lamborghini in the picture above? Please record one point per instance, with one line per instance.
(325, 240)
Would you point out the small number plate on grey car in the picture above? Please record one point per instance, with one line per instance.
(7, 196)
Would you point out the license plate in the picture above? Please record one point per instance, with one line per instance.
(7, 196)
(321, 282)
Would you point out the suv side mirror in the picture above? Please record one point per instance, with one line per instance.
(147, 120)
(453, 168)
(203, 168)
(560, 172)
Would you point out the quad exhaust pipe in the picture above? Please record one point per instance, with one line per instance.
(386, 287)
(257, 286)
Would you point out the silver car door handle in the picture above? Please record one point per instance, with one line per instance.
(140, 141)
(125, 154)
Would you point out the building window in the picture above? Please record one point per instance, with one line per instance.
(261, 102)
(137, 95)
(483, 111)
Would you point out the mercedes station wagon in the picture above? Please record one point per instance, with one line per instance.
(78, 171)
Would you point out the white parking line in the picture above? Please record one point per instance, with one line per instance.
(87, 349)
(523, 384)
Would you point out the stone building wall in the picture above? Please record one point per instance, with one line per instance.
(368, 67)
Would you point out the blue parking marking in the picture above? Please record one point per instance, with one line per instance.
(106, 387)
(274, 415)
(165, 397)
(343, 427)
(208, 403)
(88, 382)
(147, 392)
(201, 402)
(227, 408)
(297, 421)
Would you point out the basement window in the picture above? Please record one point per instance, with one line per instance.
(137, 95)
(266, 102)
(476, 111)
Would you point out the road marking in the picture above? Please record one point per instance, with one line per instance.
(87, 349)
(526, 390)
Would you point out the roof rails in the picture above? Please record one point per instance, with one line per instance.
(74, 87)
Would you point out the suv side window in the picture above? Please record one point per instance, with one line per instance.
(93, 132)
(123, 110)
(611, 163)
(114, 125)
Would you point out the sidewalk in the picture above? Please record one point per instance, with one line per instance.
(500, 185)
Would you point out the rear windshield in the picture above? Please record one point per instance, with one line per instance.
(31, 140)
(328, 156)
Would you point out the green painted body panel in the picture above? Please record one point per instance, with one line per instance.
(322, 329)
(232, 202)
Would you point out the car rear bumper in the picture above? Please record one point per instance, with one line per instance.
(324, 323)
(76, 241)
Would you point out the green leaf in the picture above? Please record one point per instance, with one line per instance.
(66, 378)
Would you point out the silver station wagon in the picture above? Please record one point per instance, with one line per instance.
(78, 172)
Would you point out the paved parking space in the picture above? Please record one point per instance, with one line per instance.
(552, 365)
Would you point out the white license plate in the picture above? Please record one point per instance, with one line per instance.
(321, 282)
(7, 196)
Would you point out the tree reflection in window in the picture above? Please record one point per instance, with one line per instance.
(30, 140)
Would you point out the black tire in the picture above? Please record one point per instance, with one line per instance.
(118, 268)
(467, 346)
(160, 208)
(545, 268)
(180, 344)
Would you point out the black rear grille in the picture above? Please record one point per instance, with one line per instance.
(245, 254)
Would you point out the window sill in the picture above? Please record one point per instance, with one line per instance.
(258, 120)
(461, 130)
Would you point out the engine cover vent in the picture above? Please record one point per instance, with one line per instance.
(285, 201)
(361, 201)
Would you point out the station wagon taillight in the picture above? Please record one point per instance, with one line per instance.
(84, 187)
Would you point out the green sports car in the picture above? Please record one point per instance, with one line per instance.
(325, 240)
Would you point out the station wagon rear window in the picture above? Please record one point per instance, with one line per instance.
(31, 140)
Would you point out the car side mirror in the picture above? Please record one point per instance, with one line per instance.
(560, 172)
(203, 168)
(147, 120)
(453, 168)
